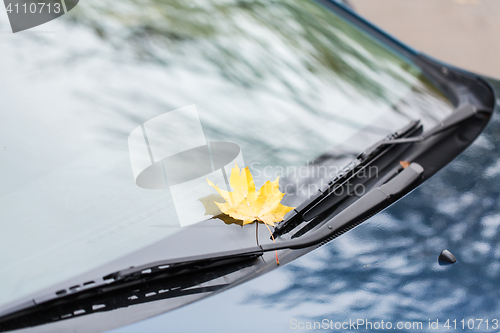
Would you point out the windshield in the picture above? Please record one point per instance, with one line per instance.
(115, 115)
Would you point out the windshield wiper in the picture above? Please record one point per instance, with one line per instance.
(330, 197)
(465, 112)
(402, 139)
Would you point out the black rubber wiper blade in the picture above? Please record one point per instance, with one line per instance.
(191, 263)
(357, 212)
(327, 198)
(366, 204)
(186, 279)
(135, 277)
(463, 113)
(406, 136)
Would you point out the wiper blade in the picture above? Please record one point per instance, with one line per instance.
(394, 144)
(179, 277)
(329, 197)
(465, 112)
(371, 200)
(191, 263)
(176, 282)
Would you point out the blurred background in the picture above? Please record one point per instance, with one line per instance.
(463, 33)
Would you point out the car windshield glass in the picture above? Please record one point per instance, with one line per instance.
(116, 114)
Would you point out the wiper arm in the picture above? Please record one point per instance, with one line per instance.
(365, 205)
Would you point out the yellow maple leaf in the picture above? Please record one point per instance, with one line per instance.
(247, 204)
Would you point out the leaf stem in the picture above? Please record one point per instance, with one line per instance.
(257, 233)
(277, 261)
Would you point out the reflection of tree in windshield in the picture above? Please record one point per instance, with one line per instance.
(387, 268)
(247, 43)
(289, 67)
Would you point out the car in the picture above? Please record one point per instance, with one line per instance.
(138, 135)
